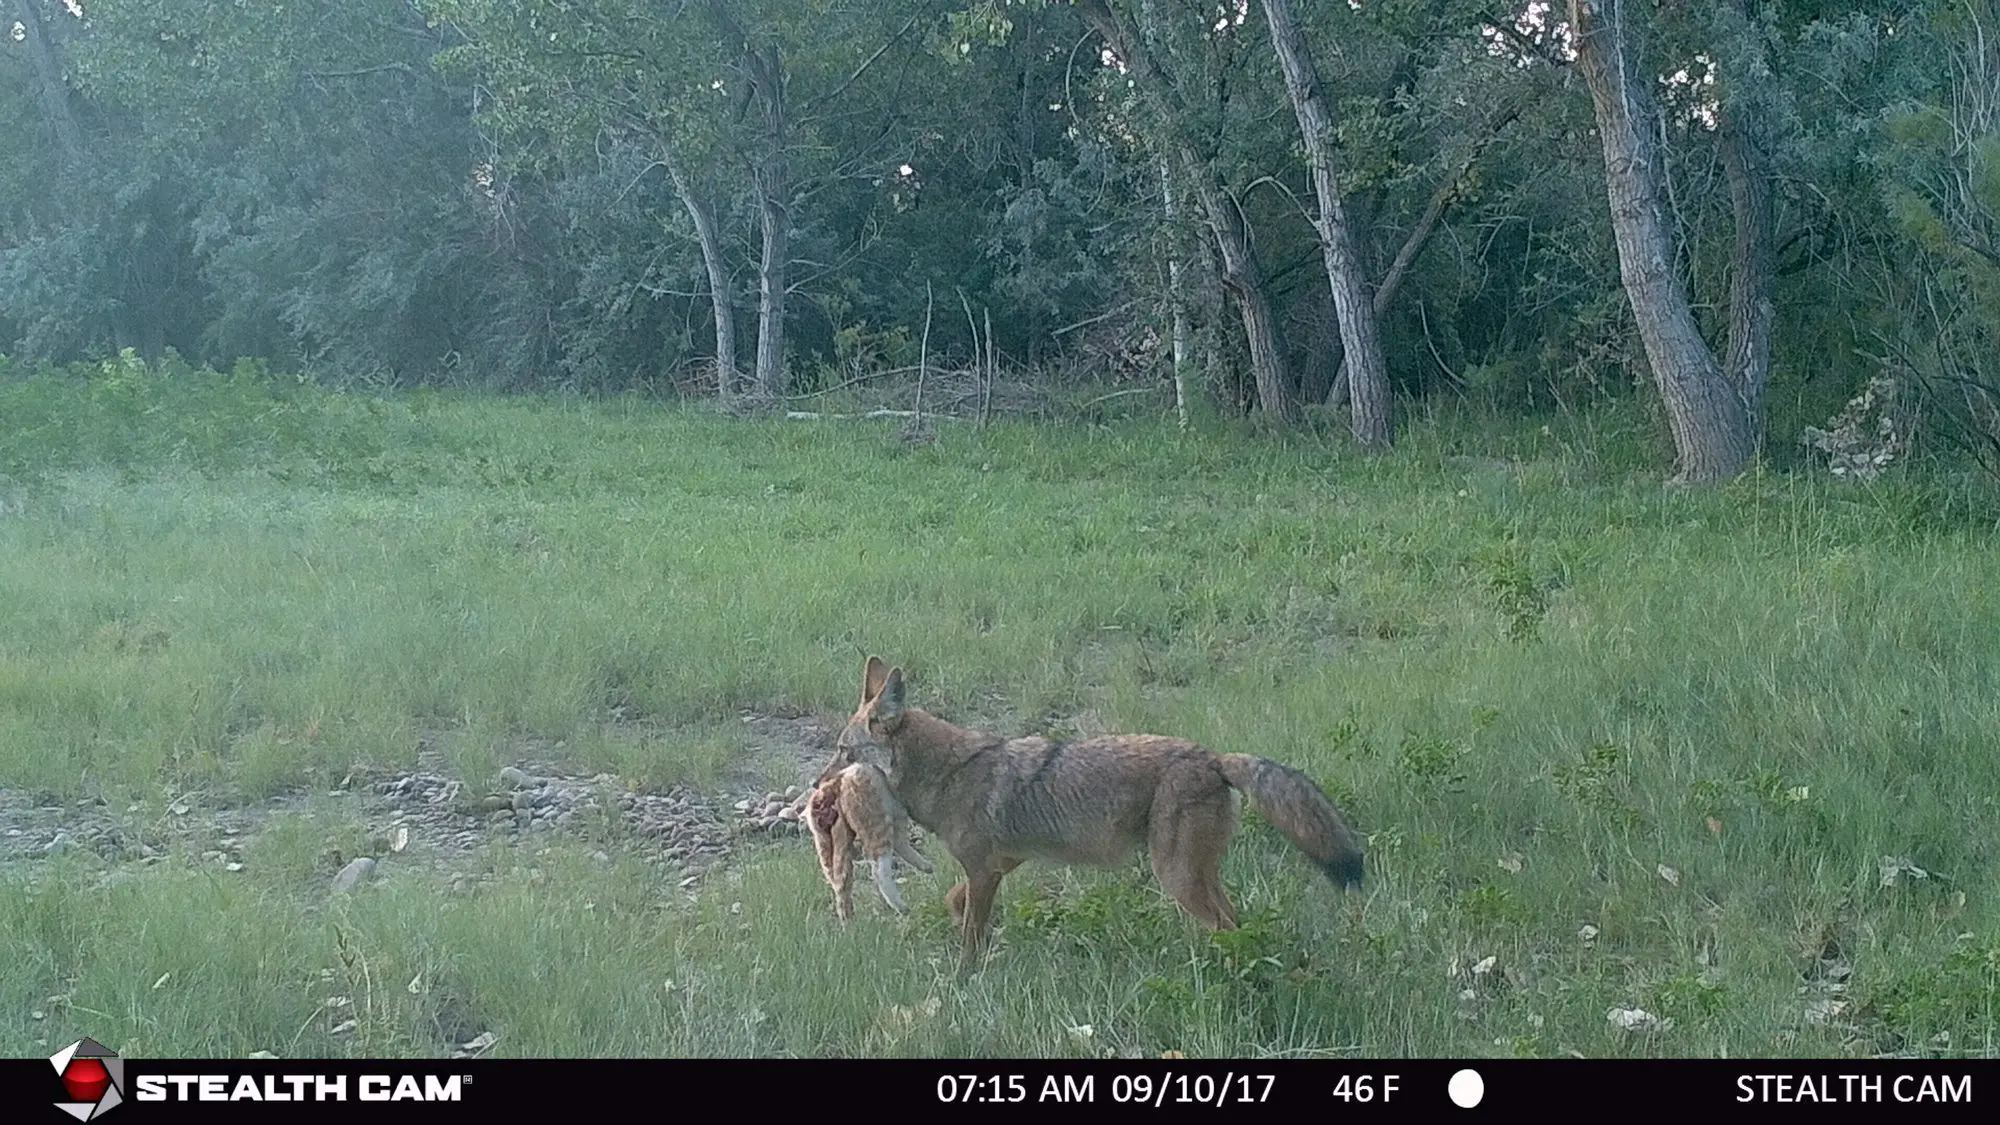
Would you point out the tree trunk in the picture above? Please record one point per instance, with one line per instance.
(1360, 335)
(1753, 272)
(1176, 298)
(1752, 314)
(1244, 279)
(1712, 432)
(727, 377)
(1420, 235)
(764, 70)
(1024, 165)
(1241, 275)
(51, 90)
(774, 215)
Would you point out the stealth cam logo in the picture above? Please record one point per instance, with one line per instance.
(93, 1075)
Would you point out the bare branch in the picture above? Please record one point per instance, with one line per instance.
(806, 111)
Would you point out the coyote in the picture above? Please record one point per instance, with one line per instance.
(997, 802)
(855, 804)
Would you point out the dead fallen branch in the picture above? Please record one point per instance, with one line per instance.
(1124, 394)
(817, 416)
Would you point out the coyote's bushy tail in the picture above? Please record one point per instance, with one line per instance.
(1290, 800)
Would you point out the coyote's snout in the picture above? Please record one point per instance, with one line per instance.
(996, 803)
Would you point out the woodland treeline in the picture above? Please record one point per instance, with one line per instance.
(1775, 219)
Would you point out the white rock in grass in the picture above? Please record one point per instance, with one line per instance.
(1637, 1020)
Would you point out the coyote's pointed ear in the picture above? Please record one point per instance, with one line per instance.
(889, 702)
(872, 678)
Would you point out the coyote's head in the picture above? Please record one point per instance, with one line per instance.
(866, 736)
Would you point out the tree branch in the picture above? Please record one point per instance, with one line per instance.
(404, 68)
(808, 109)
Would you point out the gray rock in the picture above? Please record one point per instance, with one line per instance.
(352, 875)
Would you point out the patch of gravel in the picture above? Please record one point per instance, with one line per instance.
(34, 826)
(680, 826)
(429, 817)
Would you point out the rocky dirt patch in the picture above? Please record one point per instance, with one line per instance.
(428, 816)
(34, 826)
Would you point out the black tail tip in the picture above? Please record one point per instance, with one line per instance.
(1345, 870)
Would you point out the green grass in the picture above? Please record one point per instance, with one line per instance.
(1555, 695)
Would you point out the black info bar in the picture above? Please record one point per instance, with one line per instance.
(105, 1086)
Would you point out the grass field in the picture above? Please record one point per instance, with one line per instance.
(1727, 758)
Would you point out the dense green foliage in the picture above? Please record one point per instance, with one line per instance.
(475, 192)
